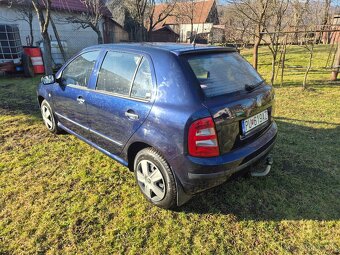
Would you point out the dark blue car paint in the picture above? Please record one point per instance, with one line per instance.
(69, 112)
(107, 118)
(164, 120)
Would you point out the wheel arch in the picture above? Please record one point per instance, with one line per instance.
(132, 151)
(40, 99)
(136, 147)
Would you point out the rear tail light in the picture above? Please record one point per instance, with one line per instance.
(202, 138)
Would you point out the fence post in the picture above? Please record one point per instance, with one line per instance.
(336, 64)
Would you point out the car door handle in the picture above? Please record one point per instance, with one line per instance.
(131, 115)
(80, 100)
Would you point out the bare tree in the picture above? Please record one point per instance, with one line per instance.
(117, 9)
(155, 18)
(326, 11)
(137, 9)
(277, 24)
(238, 30)
(25, 13)
(255, 11)
(40, 9)
(310, 40)
(91, 18)
(184, 12)
(299, 10)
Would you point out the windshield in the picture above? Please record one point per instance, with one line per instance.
(222, 73)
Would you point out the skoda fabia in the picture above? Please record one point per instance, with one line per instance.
(183, 118)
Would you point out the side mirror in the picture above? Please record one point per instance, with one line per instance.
(48, 79)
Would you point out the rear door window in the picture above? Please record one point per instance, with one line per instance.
(142, 85)
(222, 73)
(117, 72)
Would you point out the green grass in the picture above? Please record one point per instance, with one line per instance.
(296, 62)
(60, 196)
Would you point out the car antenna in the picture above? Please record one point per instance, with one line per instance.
(194, 41)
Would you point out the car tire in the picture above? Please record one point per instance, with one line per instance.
(48, 118)
(155, 178)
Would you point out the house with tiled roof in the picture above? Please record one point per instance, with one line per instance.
(189, 18)
(74, 36)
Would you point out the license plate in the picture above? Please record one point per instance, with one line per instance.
(254, 121)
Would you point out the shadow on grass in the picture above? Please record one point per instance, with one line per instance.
(307, 121)
(304, 183)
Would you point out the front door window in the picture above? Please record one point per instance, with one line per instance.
(78, 72)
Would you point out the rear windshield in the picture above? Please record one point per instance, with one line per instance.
(222, 73)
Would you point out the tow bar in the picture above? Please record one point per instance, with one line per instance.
(269, 162)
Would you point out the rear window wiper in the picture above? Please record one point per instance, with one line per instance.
(253, 86)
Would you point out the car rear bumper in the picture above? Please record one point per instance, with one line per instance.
(198, 174)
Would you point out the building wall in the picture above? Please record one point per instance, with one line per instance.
(114, 33)
(120, 35)
(76, 38)
(163, 35)
(184, 30)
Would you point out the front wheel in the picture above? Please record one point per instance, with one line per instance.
(155, 179)
(48, 117)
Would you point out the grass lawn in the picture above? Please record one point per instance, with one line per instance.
(60, 196)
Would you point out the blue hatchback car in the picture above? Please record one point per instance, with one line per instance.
(183, 118)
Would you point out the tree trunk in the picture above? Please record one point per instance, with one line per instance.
(47, 56)
(141, 29)
(304, 84)
(324, 36)
(30, 23)
(47, 53)
(283, 60)
(150, 28)
(99, 34)
(256, 50)
(191, 30)
(273, 69)
(336, 65)
(297, 20)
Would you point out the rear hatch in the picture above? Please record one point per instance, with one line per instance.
(236, 95)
